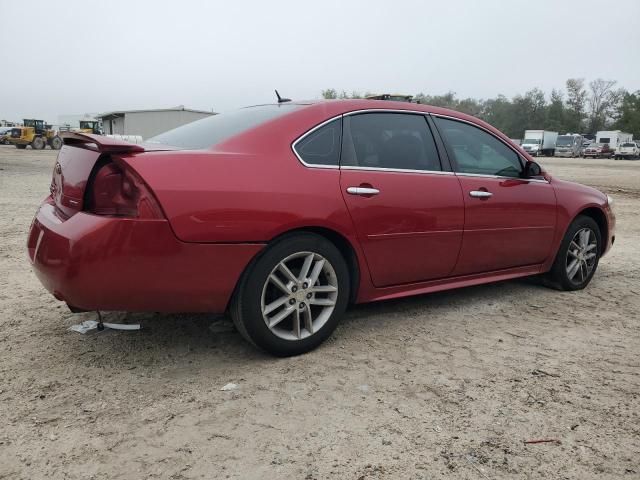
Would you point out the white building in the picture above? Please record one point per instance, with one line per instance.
(148, 123)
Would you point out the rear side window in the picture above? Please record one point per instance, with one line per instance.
(476, 151)
(389, 140)
(321, 146)
(216, 129)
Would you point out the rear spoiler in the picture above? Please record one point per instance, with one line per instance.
(99, 143)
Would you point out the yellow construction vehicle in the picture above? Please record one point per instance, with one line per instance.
(85, 126)
(90, 126)
(35, 133)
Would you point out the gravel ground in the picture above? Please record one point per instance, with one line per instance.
(446, 385)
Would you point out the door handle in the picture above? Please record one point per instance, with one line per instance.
(479, 194)
(362, 191)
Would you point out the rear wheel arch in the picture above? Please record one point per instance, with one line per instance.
(343, 245)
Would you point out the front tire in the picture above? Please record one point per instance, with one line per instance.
(578, 256)
(291, 298)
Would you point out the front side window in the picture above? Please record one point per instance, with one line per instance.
(389, 140)
(322, 146)
(476, 151)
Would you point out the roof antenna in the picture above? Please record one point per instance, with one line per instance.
(280, 99)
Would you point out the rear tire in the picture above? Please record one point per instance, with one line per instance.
(20, 147)
(282, 309)
(578, 256)
(38, 143)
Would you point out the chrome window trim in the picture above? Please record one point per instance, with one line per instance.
(354, 112)
(401, 170)
(473, 124)
(305, 135)
(385, 110)
(393, 170)
(502, 177)
(396, 170)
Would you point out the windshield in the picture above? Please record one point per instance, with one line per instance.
(564, 141)
(534, 141)
(628, 144)
(210, 131)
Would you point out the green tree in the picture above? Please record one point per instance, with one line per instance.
(329, 93)
(629, 120)
(498, 112)
(555, 114)
(576, 105)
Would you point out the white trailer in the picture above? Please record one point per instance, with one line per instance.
(539, 142)
(613, 138)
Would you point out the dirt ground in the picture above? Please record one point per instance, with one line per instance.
(446, 385)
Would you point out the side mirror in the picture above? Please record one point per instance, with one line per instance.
(532, 169)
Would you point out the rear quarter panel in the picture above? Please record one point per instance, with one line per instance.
(250, 188)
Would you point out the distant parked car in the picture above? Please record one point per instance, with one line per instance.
(4, 135)
(627, 150)
(597, 150)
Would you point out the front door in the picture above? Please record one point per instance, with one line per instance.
(408, 213)
(509, 220)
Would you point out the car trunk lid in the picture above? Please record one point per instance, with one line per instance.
(75, 164)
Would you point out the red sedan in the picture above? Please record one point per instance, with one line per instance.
(284, 214)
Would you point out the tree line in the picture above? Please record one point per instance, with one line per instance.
(578, 108)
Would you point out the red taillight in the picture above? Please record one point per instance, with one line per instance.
(117, 191)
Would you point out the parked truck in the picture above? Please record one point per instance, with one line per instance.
(613, 138)
(539, 142)
(569, 145)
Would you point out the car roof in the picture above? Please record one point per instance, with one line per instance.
(335, 107)
(354, 104)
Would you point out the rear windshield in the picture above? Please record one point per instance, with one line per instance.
(215, 129)
(628, 144)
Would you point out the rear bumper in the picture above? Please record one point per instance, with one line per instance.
(102, 263)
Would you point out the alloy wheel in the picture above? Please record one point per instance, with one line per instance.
(299, 295)
(581, 255)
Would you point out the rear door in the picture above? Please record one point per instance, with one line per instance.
(408, 211)
(509, 220)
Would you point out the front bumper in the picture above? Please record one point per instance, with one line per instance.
(563, 154)
(104, 263)
(611, 229)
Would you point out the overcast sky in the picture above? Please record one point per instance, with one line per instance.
(74, 57)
